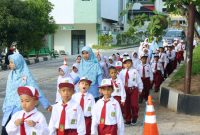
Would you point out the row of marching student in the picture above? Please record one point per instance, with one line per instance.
(98, 96)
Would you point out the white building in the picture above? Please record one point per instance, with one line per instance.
(81, 21)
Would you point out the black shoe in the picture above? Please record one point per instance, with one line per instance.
(127, 123)
(134, 122)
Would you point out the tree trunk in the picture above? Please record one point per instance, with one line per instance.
(189, 47)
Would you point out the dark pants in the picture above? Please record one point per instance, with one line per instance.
(157, 80)
(88, 123)
(131, 107)
(107, 129)
(70, 132)
(147, 87)
(3, 131)
(170, 67)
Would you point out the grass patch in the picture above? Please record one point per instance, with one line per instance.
(195, 67)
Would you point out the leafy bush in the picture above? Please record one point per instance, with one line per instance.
(105, 39)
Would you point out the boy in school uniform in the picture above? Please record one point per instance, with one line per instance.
(158, 73)
(28, 121)
(106, 114)
(180, 51)
(119, 92)
(171, 55)
(67, 117)
(86, 101)
(133, 86)
(163, 58)
(146, 74)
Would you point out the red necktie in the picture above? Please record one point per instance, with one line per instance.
(115, 84)
(61, 129)
(156, 67)
(22, 128)
(82, 102)
(103, 115)
(126, 78)
(143, 71)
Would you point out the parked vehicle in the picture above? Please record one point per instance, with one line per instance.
(171, 34)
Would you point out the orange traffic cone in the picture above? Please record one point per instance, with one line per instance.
(150, 125)
(65, 61)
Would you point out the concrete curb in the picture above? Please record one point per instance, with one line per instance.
(178, 101)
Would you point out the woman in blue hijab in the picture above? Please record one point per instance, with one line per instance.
(19, 76)
(90, 68)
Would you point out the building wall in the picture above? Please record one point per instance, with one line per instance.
(85, 11)
(110, 9)
(159, 5)
(63, 11)
(62, 41)
(62, 38)
(91, 33)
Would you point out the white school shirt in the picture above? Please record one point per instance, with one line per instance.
(163, 58)
(136, 62)
(113, 115)
(119, 91)
(88, 102)
(134, 78)
(173, 55)
(74, 118)
(75, 76)
(148, 71)
(180, 47)
(41, 127)
(159, 67)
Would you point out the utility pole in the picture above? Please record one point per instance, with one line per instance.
(189, 47)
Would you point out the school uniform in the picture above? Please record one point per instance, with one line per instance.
(68, 119)
(119, 92)
(76, 78)
(40, 128)
(133, 85)
(107, 118)
(136, 62)
(86, 102)
(163, 59)
(171, 55)
(146, 74)
(158, 73)
(180, 52)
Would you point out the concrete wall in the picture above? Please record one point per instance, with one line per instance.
(63, 11)
(62, 41)
(85, 11)
(110, 9)
(62, 38)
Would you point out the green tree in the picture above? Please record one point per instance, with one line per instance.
(158, 23)
(189, 8)
(27, 22)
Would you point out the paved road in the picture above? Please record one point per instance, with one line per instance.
(169, 123)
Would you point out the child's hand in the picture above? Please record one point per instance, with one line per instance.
(31, 123)
(18, 122)
(123, 103)
(49, 109)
